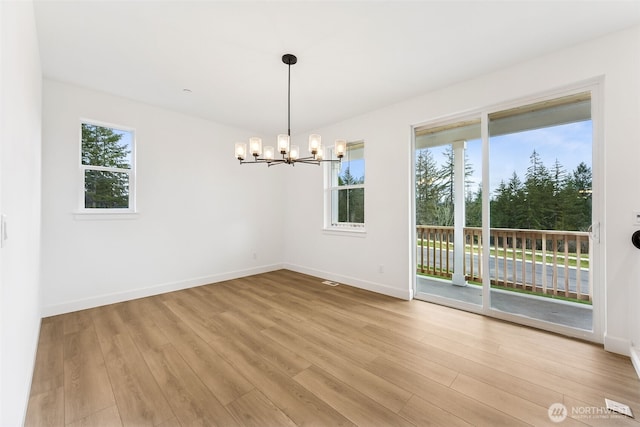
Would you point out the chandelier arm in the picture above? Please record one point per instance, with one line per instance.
(259, 161)
(276, 162)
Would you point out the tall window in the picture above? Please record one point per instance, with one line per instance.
(346, 189)
(107, 168)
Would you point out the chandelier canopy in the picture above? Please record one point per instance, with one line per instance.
(290, 154)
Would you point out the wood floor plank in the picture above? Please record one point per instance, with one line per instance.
(108, 323)
(432, 371)
(442, 396)
(255, 410)
(254, 320)
(326, 338)
(48, 372)
(356, 406)
(107, 417)
(77, 321)
(46, 408)
(87, 387)
(280, 348)
(515, 406)
(51, 330)
(146, 334)
(422, 413)
(172, 313)
(191, 401)
(466, 359)
(233, 297)
(299, 404)
(375, 387)
(224, 381)
(280, 356)
(587, 355)
(609, 382)
(140, 400)
(210, 294)
(398, 323)
(173, 422)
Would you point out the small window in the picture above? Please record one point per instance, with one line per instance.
(345, 189)
(107, 167)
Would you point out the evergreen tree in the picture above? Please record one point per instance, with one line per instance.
(557, 202)
(538, 189)
(508, 209)
(473, 204)
(428, 188)
(350, 201)
(577, 198)
(446, 177)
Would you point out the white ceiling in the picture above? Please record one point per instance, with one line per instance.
(353, 56)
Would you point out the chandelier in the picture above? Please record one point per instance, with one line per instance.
(290, 154)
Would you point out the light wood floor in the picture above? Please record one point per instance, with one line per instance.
(282, 349)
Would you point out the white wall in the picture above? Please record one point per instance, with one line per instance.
(356, 260)
(20, 115)
(201, 215)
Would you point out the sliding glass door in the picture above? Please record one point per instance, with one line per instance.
(541, 210)
(504, 213)
(448, 161)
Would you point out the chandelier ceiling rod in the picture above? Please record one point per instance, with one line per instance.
(289, 60)
(290, 153)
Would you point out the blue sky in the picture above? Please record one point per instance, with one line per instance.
(570, 144)
(126, 140)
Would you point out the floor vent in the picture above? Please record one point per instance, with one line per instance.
(330, 283)
(618, 407)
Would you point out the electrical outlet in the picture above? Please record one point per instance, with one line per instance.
(636, 218)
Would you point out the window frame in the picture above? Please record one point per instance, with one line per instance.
(131, 172)
(331, 195)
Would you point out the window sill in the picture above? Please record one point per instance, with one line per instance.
(102, 215)
(345, 231)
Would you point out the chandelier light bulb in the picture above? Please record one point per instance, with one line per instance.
(283, 143)
(294, 154)
(255, 145)
(241, 150)
(315, 141)
(340, 148)
(269, 153)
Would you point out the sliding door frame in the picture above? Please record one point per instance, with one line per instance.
(597, 267)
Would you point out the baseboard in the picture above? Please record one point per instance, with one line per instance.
(97, 301)
(635, 359)
(352, 281)
(617, 345)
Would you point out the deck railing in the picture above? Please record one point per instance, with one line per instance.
(540, 261)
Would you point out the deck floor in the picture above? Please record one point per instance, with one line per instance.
(574, 315)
